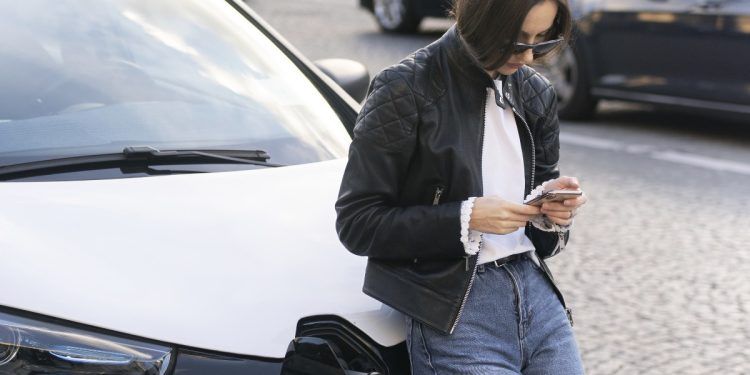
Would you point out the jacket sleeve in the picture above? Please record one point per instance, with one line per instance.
(370, 221)
(548, 244)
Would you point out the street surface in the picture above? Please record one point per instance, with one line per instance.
(658, 268)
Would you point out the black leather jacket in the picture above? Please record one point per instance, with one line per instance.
(415, 156)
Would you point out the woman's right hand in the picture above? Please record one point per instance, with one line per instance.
(498, 216)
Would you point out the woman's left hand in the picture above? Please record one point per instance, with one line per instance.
(562, 213)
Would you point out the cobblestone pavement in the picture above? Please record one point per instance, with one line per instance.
(658, 268)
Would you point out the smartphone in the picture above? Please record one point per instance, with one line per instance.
(554, 196)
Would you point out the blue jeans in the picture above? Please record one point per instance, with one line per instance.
(512, 323)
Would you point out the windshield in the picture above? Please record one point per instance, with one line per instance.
(92, 77)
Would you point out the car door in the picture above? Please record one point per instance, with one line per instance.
(725, 28)
(644, 46)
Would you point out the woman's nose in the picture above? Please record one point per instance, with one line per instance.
(527, 56)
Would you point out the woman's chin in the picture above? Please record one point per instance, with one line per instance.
(509, 69)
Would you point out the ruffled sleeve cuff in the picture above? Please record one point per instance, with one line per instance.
(471, 239)
(542, 222)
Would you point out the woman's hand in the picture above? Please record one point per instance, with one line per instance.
(562, 213)
(498, 216)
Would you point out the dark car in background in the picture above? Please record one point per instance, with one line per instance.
(405, 15)
(686, 54)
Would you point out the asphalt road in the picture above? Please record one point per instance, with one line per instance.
(658, 268)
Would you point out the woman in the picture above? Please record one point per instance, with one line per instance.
(447, 147)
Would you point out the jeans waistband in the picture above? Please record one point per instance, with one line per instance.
(497, 263)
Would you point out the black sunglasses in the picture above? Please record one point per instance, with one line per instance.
(537, 49)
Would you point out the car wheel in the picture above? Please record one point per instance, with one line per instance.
(396, 16)
(567, 72)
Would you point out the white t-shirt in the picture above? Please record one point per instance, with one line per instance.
(502, 175)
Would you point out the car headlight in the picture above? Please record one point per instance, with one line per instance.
(29, 346)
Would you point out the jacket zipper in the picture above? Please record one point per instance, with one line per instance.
(468, 257)
(533, 148)
(560, 235)
(438, 193)
(560, 243)
(533, 151)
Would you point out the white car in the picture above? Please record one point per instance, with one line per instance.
(168, 173)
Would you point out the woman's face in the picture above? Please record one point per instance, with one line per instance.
(535, 26)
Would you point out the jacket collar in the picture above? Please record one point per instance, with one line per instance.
(463, 61)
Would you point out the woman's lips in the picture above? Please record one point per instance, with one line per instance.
(513, 66)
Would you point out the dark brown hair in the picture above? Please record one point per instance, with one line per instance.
(490, 27)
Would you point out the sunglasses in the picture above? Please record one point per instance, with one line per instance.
(537, 49)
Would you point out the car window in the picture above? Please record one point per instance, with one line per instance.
(91, 77)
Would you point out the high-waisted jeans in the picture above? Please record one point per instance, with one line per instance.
(512, 323)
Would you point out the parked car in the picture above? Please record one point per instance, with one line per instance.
(405, 15)
(168, 171)
(683, 54)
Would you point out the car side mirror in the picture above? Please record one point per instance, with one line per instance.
(351, 75)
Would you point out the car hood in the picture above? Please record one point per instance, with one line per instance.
(220, 261)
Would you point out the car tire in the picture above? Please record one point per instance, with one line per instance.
(397, 16)
(568, 73)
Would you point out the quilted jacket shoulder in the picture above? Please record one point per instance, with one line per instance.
(537, 93)
(420, 71)
(389, 115)
(396, 94)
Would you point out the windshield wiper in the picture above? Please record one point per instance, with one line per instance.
(135, 156)
(255, 157)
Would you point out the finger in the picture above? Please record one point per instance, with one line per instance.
(564, 183)
(565, 205)
(512, 216)
(560, 221)
(513, 224)
(561, 215)
(575, 202)
(554, 206)
(523, 209)
(567, 182)
(508, 227)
